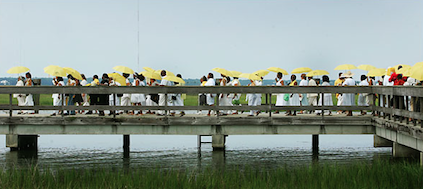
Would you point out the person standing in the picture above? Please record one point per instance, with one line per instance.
(152, 99)
(126, 98)
(71, 82)
(303, 97)
(57, 98)
(327, 97)
(94, 97)
(252, 99)
(29, 101)
(279, 97)
(223, 98)
(103, 99)
(20, 97)
(84, 95)
(163, 101)
(363, 98)
(338, 82)
(210, 97)
(294, 99)
(113, 99)
(348, 98)
(312, 97)
(234, 97)
(202, 98)
(179, 98)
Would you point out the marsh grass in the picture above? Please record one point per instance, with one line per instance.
(379, 174)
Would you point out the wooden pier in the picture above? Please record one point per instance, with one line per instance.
(393, 125)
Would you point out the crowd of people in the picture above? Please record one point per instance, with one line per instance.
(234, 99)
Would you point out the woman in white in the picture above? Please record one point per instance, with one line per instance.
(327, 97)
(279, 97)
(113, 97)
(252, 99)
(179, 98)
(363, 98)
(126, 98)
(210, 97)
(234, 97)
(294, 98)
(57, 98)
(303, 97)
(258, 95)
(152, 99)
(84, 95)
(162, 97)
(29, 101)
(20, 97)
(138, 99)
(223, 98)
(348, 98)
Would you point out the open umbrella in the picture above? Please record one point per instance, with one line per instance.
(417, 72)
(151, 75)
(222, 71)
(124, 69)
(316, 73)
(418, 64)
(174, 79)
(55, 71)
(376, 72)
(148, 69)
(18, 70)
(236, 73)
(276, 69)
(345, 67)
(403, 66)
(73, 72)
(366, 67)
(118, 78)
(250, 76)
(301, 70)
(261, 73)
(168, 73)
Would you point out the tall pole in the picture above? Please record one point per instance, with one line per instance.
(138, 34)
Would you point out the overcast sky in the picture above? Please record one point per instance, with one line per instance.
(193, 36)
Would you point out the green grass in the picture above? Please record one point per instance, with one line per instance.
(380, 174)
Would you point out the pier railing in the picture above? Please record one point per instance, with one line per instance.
(396, 103)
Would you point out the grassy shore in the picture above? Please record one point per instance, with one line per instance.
(358, 175)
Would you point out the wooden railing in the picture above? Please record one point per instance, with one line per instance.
(394, 109)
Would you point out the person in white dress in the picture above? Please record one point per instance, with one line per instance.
(84, 82)
(363, 98)
(163, 101)
(258, 95)
(348, 98)
(234, 97)
(179, 98)
(113, 97)
(202, 99)
(303, 97)
(126, 98)
(138, 99)
(279, 96)
(386, 82)
(57, 98)
(294, 98)
(312, 97)
(210, 96)
(252, 99)
(224, 98)
(29, 101)
(152, 99)
(327, 97)
(20, 97)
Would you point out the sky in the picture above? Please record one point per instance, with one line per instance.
(193, 36)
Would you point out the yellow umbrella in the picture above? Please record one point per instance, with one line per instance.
(404, 71)
(55, 71)
(345, 67)
(276, 69)
(148, 69)
(366, 67)
(418, 64)
(301, 70)
(376, 72)
(174, 79)
(317, 72)
(403, 66)
(417, 72)
(222, 71)
(118, 78)
(18, 70)
(124, 69)
(151, 75)
(168, 73)
(250, 76)
(73, 72)
(236, 73)
(261, 73)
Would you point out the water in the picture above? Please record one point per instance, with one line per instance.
(180, 152)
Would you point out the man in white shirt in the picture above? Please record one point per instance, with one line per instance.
(312, 97)
(162, 97)
(210, 97)
(303, 97)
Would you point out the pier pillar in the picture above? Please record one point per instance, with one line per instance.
(401, 151)
(315, 144)
(218, 142)
(381, 142)
(126, 146)
(22, 142)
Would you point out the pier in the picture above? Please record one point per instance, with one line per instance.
(393, 124)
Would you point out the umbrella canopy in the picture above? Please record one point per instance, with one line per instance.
(18, 70)
(55, 71)
(418, 64)
(417, 72)
(345, 67)
(236, 73)
(376, 72)
(151, 75)
(276, 69)
(301, 70)
(403, 66)
(148, 69)
(118, 78)
(124, 69)
(261, 73)
(223, 71)
(250, 76)
(168, 73)
(366, 67)
(174, 79)
(316, 73)
(73, 72)
(405, 71)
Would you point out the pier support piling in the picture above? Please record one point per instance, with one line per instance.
(126, 146)
(22, 142)
(315, 144)
(218, 142)
(401, 151)
(381, 142)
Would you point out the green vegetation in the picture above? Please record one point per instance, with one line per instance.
(380, 174)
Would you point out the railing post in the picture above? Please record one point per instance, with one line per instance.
(114, 105)
(421, 110)
(217, 104)
(323, 103)
(270, 104)
(10, 105)
(63, 104)
(165, 110)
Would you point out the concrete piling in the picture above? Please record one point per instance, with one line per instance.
(22, 142)
(381, 142)
(126, 143)
(401, 151)
(218, 142)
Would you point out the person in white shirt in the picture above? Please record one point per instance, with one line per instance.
(327, 97)
(126, 98)
(210, 97)
(224, 98)
(202, 99)
(312, 97)
(29, 101)
(84, 95)
(348, 98)
(152, 99)
(279, 97)
(234, 97)
(57, 98)
(113, 97)
(20, 97)
(303, 97)
(363, 98)
(162, 97)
